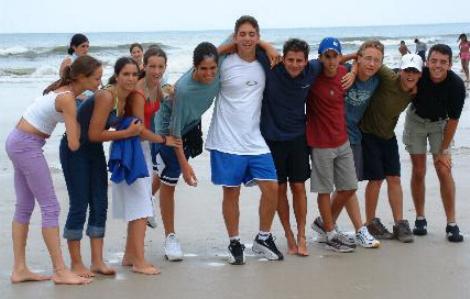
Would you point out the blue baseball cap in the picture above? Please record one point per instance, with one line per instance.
(329, 43)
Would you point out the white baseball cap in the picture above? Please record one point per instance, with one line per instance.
(412, 61)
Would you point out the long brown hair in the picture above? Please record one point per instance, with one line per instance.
(84, 65)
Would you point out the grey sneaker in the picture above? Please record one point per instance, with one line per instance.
(317, 226)
(378, 230)
(336, 244)
(402, 232)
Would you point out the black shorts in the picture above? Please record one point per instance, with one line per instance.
(422, 54)
(381, 157)
(291, 158)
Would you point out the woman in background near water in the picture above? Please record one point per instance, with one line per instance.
(137, 52)
(464, 47)
(32, 177)
(78, 46)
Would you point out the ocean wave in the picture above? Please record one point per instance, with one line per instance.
(20, 51)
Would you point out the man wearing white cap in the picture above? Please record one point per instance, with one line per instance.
(433, 117)
(380, 147)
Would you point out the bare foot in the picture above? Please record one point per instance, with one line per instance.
(23, 275)
(81, 270)
(126, 262)
(303, 248)
(146, 269)
(102, 268)
(291, 244)
(65, 276)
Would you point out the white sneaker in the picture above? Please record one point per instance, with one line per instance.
(173, 250)
(345, 238)
(365, 239)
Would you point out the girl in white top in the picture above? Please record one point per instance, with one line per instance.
(32, 177)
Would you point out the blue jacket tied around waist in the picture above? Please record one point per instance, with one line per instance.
(126, 158)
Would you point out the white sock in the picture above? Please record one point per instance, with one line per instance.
(420, 218)
(330, 235)
(235, 238)
(263, 235)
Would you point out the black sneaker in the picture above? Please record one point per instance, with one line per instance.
(453, 233)
(267, 248)
(402, 232)
(421, 227)
(235, 253)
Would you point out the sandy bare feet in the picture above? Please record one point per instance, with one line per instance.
(126, 262)
(102, 268)
(145, 268)
(65, 276)
(81, 270)
(291, 244)
(302, 246)
(23, 275)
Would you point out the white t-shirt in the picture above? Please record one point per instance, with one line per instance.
(234, 127)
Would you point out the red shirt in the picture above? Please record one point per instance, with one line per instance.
(150, 108)
(326, 121)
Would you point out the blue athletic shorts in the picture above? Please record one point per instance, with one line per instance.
(231, 170)
(169, 170)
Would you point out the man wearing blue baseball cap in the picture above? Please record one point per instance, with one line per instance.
(332, 159)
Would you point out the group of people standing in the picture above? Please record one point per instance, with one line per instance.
(271, 116)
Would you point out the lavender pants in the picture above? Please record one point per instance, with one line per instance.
(32, 179)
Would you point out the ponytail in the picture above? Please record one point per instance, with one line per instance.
(64, 80)
(82, 66)
(112, 79)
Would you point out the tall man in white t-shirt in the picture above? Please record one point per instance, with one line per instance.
(239, 153)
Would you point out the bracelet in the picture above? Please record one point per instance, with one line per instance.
(445, 151)
(164, 139)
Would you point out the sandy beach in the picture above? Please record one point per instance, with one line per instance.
(430, 267)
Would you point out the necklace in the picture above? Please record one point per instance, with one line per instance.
(147, 90)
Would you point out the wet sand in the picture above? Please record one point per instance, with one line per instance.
(431, 267)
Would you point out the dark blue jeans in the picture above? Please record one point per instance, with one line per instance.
(86, 178)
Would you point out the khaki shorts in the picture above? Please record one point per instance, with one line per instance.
(418, 132)
(333, 168)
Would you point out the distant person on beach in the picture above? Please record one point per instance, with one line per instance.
(380, 147)
(369, 60)
(464, 54)
(403, 49)
(78, 46)
(327, 136)
(33, 180)
(421, 49)
(432, 118)
(239, 153)
(137, 52)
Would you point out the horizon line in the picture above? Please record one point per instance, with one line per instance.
(230, 29)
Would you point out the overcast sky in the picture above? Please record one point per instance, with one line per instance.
(157, 15)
